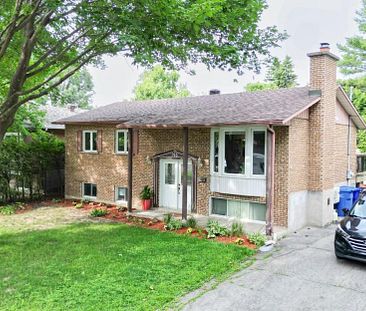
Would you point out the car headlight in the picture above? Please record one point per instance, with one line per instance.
(343, 233)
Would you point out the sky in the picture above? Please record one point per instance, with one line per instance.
(308, 22)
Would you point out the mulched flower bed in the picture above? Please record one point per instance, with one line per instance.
(120, 215)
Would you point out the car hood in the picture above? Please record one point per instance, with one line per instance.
(354, 226)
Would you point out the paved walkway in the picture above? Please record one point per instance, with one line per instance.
(301, 274)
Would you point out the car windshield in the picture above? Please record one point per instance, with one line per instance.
(359, 210)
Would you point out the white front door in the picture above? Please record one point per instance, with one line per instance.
(171, 171)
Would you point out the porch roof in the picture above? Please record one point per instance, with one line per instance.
(263, 107)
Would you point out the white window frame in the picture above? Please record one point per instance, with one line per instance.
(121, 202)
(228, 217)
(249, 134)
(265, 152)
(91, 150)
(125, 132)
(89, 196)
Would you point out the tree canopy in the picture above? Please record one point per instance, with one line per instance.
(159, 83)
(44, 42)
(78, 90)
(280, 74)
(354, 51)
(353, 65)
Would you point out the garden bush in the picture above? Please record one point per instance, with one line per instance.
(215, 229)
(257, 238)
(98, 212)
(237, 229)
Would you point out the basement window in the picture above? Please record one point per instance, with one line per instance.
(245, 210)
(121, 194)
(89, 190)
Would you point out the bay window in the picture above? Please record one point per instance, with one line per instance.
(238, 151)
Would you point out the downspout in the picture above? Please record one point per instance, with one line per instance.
(349, 152)
(348, 174)
(271, 144)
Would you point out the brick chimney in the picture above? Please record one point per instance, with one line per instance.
(322, 128)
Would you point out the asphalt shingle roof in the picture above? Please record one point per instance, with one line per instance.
(263, 107)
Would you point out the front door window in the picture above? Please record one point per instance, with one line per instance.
(171, 183)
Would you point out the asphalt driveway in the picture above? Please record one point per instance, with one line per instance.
(301, 274)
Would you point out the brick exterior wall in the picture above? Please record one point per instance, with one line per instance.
(323, 70)
(109, 170)
(281, 176)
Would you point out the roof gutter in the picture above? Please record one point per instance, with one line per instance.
(271, 145)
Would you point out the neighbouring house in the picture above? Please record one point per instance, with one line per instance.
(53, 113)
(274, 157)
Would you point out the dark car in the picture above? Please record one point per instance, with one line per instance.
(350, 236)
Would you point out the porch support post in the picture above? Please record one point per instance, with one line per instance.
(271, 145)
(130, 155)
(184, 175)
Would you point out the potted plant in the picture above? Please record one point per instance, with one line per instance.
(146, 198)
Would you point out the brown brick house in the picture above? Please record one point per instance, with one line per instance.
(274, 157)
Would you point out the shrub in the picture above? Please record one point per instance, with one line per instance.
(98, 212)
(167, 218)
(236, 229)
(173, 224)
(215, 229)
(257, 238)
(55, 200)
(191, 222)
(7, 210)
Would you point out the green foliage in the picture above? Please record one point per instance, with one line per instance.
(215, 229)
(146, 193)
(79, 205)
(280, 74)
(171, 223)
(353, 52)
(127, 261)
(357, 87)
(39, 52)
(25, 164)
(259, 86)
(191, 222)
(257, 239)
(78, 90)
(98, 212)
(7, 210)
(159, 83)
(237, 229)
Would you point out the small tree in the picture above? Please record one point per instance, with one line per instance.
(159, 83)
(282, 74)
(279, 75)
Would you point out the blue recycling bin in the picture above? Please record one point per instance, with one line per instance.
(345, 199)
(356, 194)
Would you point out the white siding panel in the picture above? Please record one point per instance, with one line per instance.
(239, 186)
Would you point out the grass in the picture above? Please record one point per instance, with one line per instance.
(106, 267)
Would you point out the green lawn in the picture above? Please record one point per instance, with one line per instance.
(106, 267)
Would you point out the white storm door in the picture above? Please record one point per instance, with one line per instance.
(189, 185)
(169, 186)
